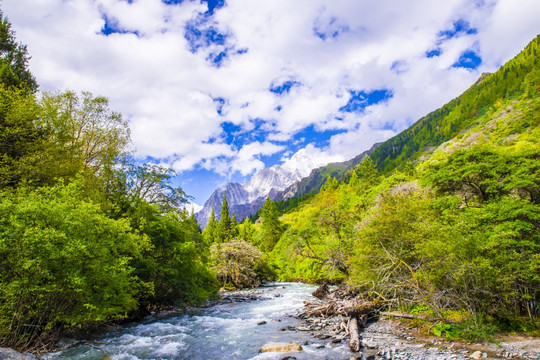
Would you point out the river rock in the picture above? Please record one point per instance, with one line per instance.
(281, 347)
(10, 354)
(476, 355)
(370, 344)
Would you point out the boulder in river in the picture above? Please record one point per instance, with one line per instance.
(281, 347)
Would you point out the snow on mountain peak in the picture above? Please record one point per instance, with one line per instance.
(279, 177)
(266, 182)
(301, 162)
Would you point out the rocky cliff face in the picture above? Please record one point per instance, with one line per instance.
(245, 199)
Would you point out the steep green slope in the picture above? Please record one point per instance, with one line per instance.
(516, 78)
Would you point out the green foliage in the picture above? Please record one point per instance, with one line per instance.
(367, 173)
(285, 205)
(82, 132)
(246, 231)
(318, 241)
(330, 184)
(448, 330)
(175, 266)
(19, 139)
(63, 262)
(85, 234)
(226, 229)
(210, 233)
(127, 185)
(476, 328)
(483, 173)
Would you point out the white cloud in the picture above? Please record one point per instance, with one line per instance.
(511, 26)
(247, 157)
(167, 92)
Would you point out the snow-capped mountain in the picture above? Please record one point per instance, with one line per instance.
(245, 199)
(279, 177)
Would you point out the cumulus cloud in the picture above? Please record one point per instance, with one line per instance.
(271, 69)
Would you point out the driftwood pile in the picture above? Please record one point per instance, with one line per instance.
(342, 302)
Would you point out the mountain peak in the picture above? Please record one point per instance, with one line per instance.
(244, 200)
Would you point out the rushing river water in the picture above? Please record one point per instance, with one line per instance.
(225, 331)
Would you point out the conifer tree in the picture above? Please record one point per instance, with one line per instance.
(330, 184)
(14, 60)
(194, 230)
(367, 171)
(354, 182)
(225, 224)
(209, 233)
(271, 228)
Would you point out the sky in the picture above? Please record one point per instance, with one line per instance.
(219, 89)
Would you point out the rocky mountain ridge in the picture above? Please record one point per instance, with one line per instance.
(298, 176)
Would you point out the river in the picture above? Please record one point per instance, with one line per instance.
(224, 331)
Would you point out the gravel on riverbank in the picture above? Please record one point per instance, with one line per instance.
(393, 339)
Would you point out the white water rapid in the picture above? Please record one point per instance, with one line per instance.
(225, 331)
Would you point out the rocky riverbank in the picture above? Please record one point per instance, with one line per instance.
(386, 338)
(392, 339)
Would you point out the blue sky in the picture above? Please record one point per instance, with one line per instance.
(219, 89)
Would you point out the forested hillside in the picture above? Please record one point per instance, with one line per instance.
(86, 235)
(454, 228)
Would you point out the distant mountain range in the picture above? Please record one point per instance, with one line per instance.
(245, 199)
(298, 176)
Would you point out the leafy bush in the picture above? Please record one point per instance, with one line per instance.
(238, 264)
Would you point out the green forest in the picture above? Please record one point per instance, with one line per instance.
(86, 235)
(444, 218)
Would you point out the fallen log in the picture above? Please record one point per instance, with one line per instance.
(340, 307)
(354, 334)
(361, 309)
(415, 316)
(316, 310)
